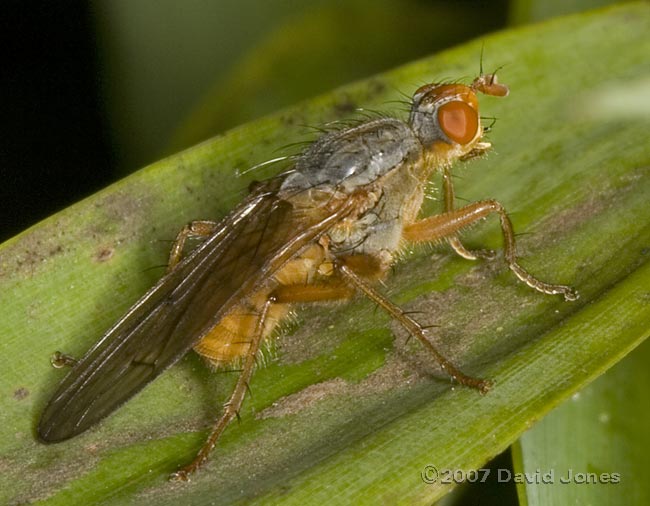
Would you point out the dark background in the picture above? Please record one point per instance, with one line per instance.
(54, 145)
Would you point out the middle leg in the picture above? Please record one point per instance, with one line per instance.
(350, 276)
(412, 326)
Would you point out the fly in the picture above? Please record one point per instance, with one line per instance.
(325, 230)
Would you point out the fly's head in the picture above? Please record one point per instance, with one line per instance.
(445, 117)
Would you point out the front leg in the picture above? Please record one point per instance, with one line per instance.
(448, 224)
(454, 240)
(60, 360)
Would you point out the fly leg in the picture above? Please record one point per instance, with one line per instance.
(448, 224)
(233, 405)
(198, 228)
(59, 360)
(412, 326)
(284, 294)
(349, 277)
(454, 240)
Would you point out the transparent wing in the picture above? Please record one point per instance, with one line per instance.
(250, 245)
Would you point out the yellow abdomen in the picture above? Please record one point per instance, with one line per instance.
(229, 340)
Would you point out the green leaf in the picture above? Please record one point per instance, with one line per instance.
(346, 412)
(594, 448)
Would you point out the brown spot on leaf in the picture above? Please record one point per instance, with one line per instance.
(394, 373)
(104, 254)
(21, 393)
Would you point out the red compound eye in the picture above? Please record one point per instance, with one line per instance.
(458, 120)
